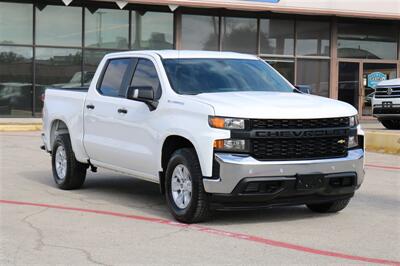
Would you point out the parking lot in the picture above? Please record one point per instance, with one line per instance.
(116, 219)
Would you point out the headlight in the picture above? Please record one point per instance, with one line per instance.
(353, 121)
(226, 122)
(233, 145)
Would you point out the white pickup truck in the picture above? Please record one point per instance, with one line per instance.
(386, 103)
(216, 130)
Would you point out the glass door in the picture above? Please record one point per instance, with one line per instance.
(349, 83)
(373, 73)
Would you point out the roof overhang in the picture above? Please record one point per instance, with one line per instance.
(383, 9)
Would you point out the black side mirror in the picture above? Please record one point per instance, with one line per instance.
(303, 89)
(143, 94)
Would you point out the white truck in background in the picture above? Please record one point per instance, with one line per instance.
(216, 130)
(386, 103)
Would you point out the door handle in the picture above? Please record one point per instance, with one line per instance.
(122, 111)
(90, 106)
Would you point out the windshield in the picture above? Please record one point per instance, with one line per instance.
(194, 76)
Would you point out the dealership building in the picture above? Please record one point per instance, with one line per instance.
(340, 48)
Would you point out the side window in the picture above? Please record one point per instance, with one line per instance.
(113, 77)
(146, 75)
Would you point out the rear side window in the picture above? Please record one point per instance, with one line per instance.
(146, 76)
(114, 76)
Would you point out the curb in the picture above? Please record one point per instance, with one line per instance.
(20, 127)
(383, 141)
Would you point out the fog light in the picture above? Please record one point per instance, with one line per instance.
(353, 141)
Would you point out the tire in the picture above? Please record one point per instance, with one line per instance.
(197, 208)
(390, 124)
(74, 173)
(329, 207)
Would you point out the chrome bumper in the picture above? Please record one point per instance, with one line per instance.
(233, 168)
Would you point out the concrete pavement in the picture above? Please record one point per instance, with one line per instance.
(119, 220)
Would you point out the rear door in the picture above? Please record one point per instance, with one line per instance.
(102, 137)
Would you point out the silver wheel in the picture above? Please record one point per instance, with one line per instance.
(181, 186)
(61, 162)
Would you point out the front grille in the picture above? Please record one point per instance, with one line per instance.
(299, 123)
(387, 92)
(299, 149)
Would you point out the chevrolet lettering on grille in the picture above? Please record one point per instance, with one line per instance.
(295, 133)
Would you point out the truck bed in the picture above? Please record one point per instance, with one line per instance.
(65, 104)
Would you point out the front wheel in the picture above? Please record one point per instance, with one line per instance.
(390, 124)
(329, 207)
(185, 195)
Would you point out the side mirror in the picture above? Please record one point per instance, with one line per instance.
(303, 89)
(143, 94)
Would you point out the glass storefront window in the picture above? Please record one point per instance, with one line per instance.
(200, 32)
(152, 30)
(91, 59)
(107, 28)
(284, 67)
(312, 38)
(367, 41)
(314, 73)
(15, 81)
(239, 34)
(16, 23)
(56, 67)
(59, 25)
(277, 36)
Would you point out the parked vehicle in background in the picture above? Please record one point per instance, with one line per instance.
(216, 130)
(386, 103)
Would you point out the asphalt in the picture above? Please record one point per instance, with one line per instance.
(119, 220)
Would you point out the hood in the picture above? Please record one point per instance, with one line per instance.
(274, 105)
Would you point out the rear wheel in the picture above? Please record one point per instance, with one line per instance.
(329, 207)
(68, 173)
(390, 124)
(185, 195)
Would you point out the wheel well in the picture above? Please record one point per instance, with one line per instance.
(171, 144)
(58, 127)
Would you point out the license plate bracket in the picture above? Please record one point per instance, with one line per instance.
(387, 104)
(310, 182)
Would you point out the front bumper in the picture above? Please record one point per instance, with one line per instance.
(236, 170)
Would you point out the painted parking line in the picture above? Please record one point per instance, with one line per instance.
(385, 167)
(209, 230)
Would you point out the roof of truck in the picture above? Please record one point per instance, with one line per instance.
(390, 82)
(175, 54)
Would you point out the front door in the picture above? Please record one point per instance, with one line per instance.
(358, 79)
(349, 83)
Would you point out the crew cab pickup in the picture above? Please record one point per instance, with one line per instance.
(216, 130)
(386, 103)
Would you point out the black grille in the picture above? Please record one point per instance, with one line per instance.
(299, 149)
(299, 123)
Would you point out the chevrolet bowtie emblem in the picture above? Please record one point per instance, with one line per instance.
(341, 141)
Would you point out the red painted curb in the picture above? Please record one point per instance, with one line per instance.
(219, 232)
